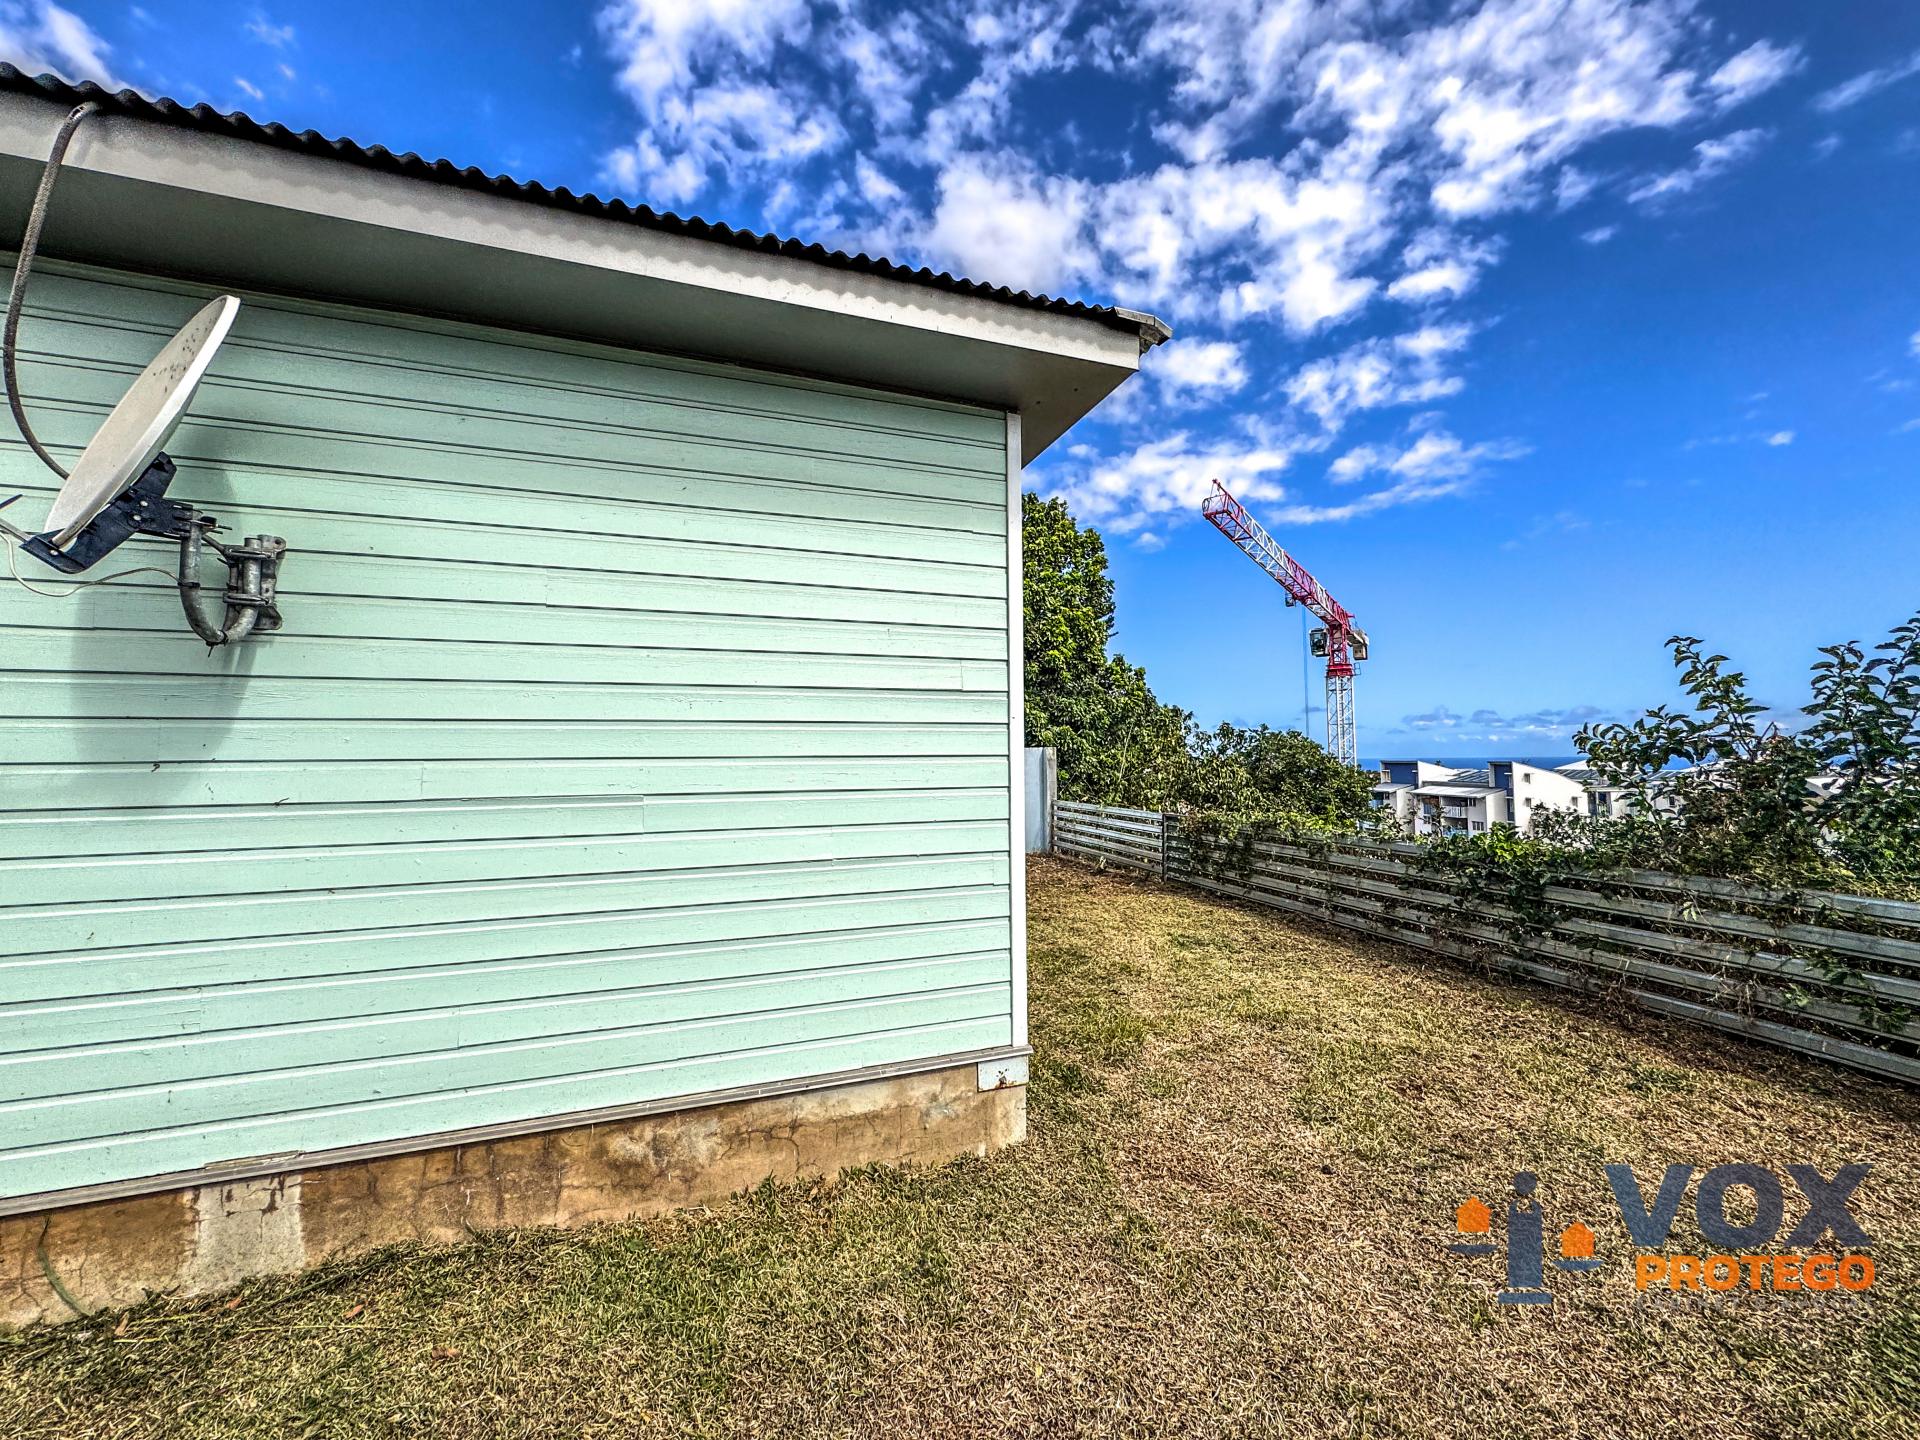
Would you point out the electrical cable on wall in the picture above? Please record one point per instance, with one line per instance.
(17, 295)
(117, 488)
(9, 362)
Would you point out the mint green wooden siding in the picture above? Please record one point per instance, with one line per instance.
(639, 729)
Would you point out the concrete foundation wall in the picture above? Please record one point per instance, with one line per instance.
(195, 1241)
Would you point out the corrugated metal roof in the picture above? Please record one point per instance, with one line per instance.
(239, 126)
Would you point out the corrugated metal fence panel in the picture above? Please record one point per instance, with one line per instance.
(1107, 835)
(639, 728)
(1846, 988)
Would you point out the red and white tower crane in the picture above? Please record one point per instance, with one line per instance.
(1342, 642)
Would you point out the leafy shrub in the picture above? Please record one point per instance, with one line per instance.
(1719, 789)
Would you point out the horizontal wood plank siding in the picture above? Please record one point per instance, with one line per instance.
(639, 729)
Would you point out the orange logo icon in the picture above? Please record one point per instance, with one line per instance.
(1472, 1218)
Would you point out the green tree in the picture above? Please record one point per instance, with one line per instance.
(1117, 744)
(1718, 789)
(1068, 602)
(1264, 773)
(1865, 732)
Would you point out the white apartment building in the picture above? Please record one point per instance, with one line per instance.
(1602, 798)
(1430, 798)
(1401, 779)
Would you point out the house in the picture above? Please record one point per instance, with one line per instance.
(629, 808)
(1400, 779)
(1603, 799)
(1467, 802)
(1432, 798)
(1531, 789)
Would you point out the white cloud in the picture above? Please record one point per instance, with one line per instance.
(720, 129)
(1495, 96)
(1248, 238)
(1573, 186)
(1756, 69)
(993, 221)
(1547, 527)
(1432, 341)
(1323, 156)
(1435, 464)
(1870, 82)
(249, 89)
(1435, 455)
(1490, 727)
(1199, 367)
(1914, 345)
(1170, 476)
(1774, 438)
(876, 186)
(1409, 369)
(1359, 463)
(1023, 38)
(38, 37)
(268, 33)
(1478, 112)
(1441, 265)
(1442, 280)
(690, 66)
(1512, 89)
(1397, 123)
(1711, 158)
(659, 41)
(888, 64)
(1600, 234)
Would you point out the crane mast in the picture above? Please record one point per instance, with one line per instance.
(1340, 640)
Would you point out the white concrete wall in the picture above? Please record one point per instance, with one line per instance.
(1043, 783)
(1535, 789)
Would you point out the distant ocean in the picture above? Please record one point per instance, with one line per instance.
(1478, 762)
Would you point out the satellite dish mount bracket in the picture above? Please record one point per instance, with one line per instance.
(253, 566)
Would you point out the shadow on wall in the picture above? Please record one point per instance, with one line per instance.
(140, 689)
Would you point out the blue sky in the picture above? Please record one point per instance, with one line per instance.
(1539, 331)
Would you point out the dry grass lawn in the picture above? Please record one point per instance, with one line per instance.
(1248, 1140)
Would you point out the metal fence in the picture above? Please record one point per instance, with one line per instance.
(1837, 976)
(1106, 836)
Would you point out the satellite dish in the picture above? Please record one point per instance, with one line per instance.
(140, 425)
(118, 487)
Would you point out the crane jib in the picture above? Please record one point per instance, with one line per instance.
(1342, 642)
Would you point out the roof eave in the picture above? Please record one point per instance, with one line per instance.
(189, 201)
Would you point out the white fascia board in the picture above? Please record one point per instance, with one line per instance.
(170, 200)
